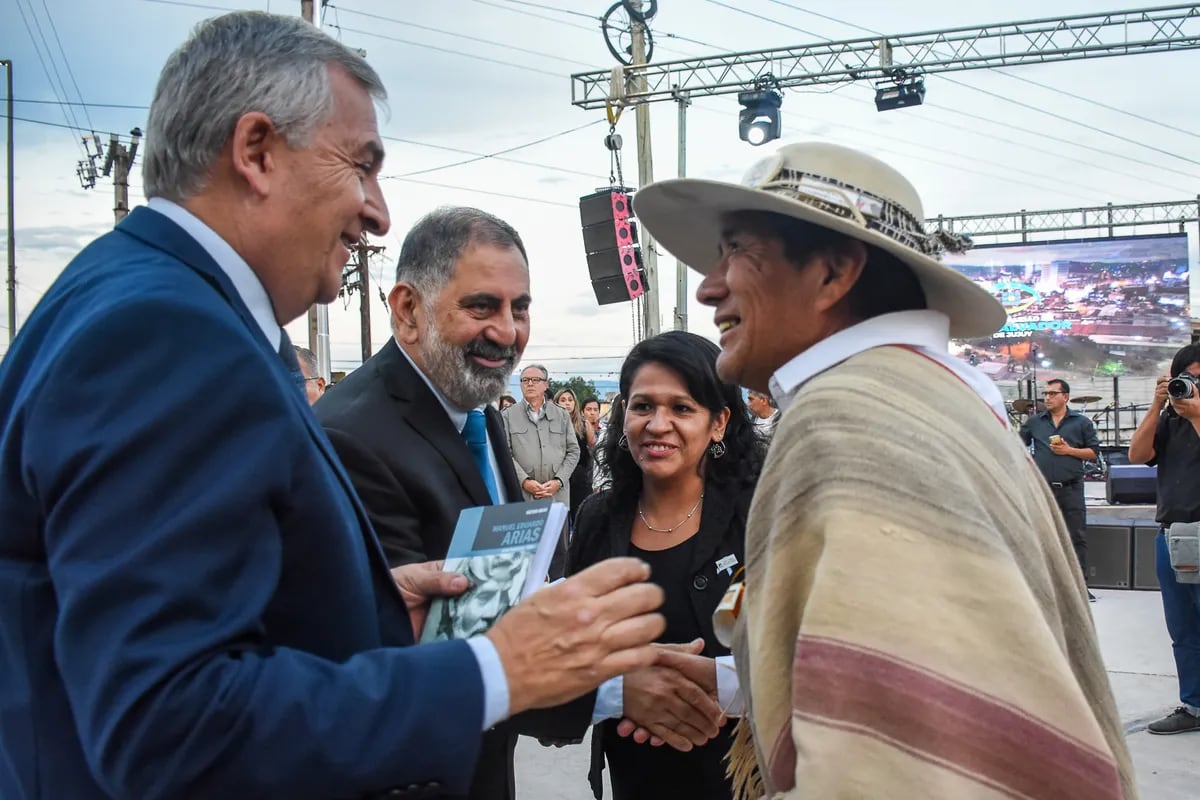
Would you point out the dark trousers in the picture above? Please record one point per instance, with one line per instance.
(1070, 502)
(1181, 608)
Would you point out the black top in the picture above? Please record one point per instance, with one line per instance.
(1075, 429)
(693, 586)
(1177, 455)
(640, 771)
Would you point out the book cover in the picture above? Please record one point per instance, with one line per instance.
(504, 551)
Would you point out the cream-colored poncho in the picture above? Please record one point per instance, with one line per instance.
(915, 624)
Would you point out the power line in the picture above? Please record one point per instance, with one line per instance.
(191, 5)
(62, 85)
(50, 124)
(479, 191)
(496, 157)
(541, 16)
(80, 103)
(460, 36)
(768, 19)
(577, 26)
(447, 50)
(552, 8)
(66, 63)
(476, 156)
(1006, 74)
(500, 152)
(46, 72)
(1041, 135)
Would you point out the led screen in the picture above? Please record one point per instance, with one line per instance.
(1092, 306)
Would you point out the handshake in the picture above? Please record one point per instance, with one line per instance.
(569, 638)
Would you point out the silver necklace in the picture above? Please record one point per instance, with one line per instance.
(650, 527)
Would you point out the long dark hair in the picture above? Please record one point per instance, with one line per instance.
(694, 359)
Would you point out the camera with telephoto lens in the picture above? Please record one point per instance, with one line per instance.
(1182, 386)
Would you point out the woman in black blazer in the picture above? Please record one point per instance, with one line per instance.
(683, 459)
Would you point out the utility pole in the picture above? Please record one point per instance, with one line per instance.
(681, 276)
(364, 252)
(12, 238)
(645, 172)
(318, 315)
(117, 162)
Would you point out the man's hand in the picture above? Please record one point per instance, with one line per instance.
(1061, 448)
(1188, 408)
(674, 701)
(1160, 393)
(569, 638)
(419, 583)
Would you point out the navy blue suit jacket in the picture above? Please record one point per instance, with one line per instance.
(192, 601)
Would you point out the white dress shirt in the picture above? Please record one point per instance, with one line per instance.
(927, 332)
(244, 281)
(252, 293)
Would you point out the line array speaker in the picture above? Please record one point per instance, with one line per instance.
(611, 243)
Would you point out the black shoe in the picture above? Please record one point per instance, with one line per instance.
(1091, 597)
(1178, 721)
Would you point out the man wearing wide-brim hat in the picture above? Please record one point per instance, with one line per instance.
(914, 622)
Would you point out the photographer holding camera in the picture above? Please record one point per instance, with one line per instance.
(1169, 436)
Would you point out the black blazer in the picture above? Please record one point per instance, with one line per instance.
(414, 474)
(602, 531)
(411, 468)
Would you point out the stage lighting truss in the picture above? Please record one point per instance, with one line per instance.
(759, 121)
(901, 91)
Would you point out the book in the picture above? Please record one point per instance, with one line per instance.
(504, 551)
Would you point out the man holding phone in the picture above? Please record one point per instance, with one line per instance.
(1061, 440)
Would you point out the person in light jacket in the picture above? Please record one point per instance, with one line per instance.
(544, 448)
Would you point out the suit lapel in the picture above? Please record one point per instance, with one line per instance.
(499, 438)
(157, 231)
(423, 412)
(715, 520)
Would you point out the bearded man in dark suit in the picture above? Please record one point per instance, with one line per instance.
(414, 426)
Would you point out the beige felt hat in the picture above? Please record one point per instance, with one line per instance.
(833, 187)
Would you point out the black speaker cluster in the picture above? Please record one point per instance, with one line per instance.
(610, 240)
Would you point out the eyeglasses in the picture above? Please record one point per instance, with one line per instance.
(1047, 394)
(531, 381)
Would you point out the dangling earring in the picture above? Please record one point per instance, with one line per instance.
(717, 449)
(623, 443)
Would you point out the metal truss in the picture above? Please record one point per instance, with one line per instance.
(1116, 33)
(1104, 220)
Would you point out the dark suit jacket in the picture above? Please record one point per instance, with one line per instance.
(192, 602)
(412, 469)
(415, 474)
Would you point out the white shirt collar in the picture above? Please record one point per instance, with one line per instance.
(534, 416)
(925, 330)
(245, 282)
(458, 416)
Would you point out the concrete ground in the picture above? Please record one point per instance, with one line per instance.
(1136, 650)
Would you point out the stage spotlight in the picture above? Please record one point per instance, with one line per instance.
(899, 94)
(759, 121)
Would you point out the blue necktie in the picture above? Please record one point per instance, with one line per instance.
(475, 434)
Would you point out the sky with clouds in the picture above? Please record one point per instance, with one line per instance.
(471, 77)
